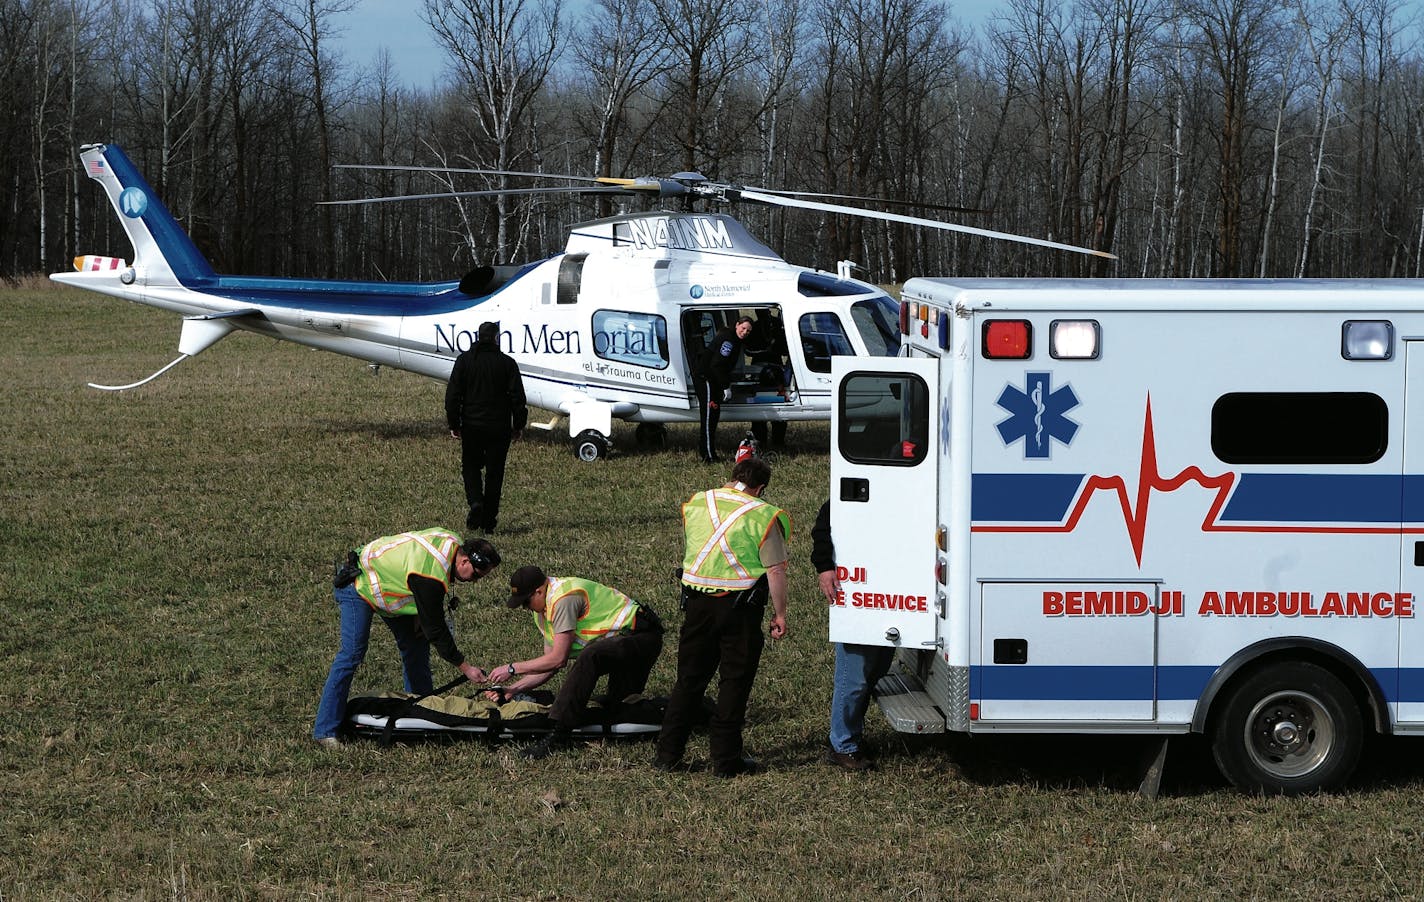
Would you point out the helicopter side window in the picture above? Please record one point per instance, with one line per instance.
(823, 337)
(636, 338)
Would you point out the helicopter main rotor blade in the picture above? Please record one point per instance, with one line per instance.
(915, 220)
(395, 168)
(490, 193)
(875, 200)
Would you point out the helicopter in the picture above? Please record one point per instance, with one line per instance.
(609, 329)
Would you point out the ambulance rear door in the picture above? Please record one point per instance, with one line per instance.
(885, 450)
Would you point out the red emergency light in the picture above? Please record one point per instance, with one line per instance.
(1008, 339)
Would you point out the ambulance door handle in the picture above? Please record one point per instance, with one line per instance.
(892, 635)
(1419, 554)
(855, 488)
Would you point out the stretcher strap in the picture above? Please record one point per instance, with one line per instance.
(388, 734)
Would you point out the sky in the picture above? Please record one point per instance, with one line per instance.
(419, 62)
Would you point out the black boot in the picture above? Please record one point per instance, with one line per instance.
(558, 740)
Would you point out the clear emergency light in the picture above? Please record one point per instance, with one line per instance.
(1008, 339)
(1367, 340)
(1074, 339)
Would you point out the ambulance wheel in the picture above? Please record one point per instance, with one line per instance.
(590, 445)
(1288, 729)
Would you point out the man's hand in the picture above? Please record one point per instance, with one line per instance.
(454, 433)
(778, 627)
(830, 586)
(473, 673)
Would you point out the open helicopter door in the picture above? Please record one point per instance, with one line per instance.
(763, 378)
(884, 460)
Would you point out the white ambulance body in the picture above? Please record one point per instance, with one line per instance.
(1135, 506)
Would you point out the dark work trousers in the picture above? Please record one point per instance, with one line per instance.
(719, 637)
(707, 422)
(482, 455)
(627, 659)
(778, 433)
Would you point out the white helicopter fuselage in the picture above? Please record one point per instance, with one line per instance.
(612, 328)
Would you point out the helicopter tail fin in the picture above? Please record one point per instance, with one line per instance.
(163, 252)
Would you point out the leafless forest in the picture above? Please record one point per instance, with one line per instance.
(1189, 137)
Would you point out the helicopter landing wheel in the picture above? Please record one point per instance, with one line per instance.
(591, 445)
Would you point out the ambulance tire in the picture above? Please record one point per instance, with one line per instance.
(1287, 729)
(590, 445)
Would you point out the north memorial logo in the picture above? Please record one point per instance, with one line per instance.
(1036, 415)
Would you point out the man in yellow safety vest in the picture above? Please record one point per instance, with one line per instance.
(403, 578)
(601, 630)
(734, 558)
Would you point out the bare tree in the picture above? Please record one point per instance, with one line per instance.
(621, 54)
(1234, 37)
(313, 24)
(709, 45)
(503, 51)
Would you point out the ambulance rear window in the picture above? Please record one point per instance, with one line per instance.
(884, 419)
(1299, 428)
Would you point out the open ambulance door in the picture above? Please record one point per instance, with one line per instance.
(885, 450)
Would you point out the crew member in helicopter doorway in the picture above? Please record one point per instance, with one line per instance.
(714, 382)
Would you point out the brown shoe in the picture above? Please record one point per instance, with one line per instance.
(852, 761)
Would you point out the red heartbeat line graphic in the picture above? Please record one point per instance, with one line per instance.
(1148, 479)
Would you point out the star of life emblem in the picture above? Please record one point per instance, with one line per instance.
(1036, 415)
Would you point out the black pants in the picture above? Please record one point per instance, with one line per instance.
(778, 433)
(627, 659)
(482, 455)
(708, 419)
(717, 637)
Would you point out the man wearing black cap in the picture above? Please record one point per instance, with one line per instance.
(486, 410)
(734, 562)
(403, 578)
(599, 628)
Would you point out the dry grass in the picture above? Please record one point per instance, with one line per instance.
(167, 626)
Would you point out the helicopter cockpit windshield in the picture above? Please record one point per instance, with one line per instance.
(878, 321)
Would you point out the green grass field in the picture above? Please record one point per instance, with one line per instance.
(164, 567)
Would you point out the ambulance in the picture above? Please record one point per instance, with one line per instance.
(1143, 506)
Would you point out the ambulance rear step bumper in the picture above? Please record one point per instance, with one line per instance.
(906, 704)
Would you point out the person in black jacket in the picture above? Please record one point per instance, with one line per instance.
(713, 381)
(486, 410)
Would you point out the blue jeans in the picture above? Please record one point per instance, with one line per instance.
(356, 617)
(858, 669)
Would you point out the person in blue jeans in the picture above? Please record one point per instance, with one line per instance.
(402, 578)
(858, 667)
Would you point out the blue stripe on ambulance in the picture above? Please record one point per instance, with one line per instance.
(1039, 498)
(1137, 683)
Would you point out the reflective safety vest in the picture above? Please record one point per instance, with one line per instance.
(724, 529)
(388, 563)
(602, 609)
